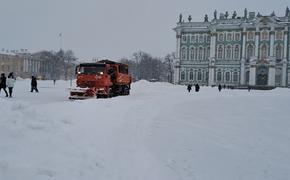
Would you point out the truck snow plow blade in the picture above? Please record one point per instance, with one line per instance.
(82, 93)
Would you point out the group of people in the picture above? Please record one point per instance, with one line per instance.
(10, 81)
(196, 87)
(7, 82)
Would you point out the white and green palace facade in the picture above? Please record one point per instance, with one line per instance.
(248, 50)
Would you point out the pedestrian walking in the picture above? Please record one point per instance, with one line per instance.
(10, 83)
(219, 87)
(249, 88)
(189, 87)
(54, 81)
(197, 88)
(3, 83)
(33, 84)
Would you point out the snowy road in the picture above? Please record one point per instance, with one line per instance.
(158, 132)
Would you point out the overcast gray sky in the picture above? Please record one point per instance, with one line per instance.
(107, 28)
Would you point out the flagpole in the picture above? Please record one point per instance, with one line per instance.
(60, 41)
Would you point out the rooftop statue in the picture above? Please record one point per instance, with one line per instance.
(287, 12)
(245, 13)
(259, 15)
(189, 18)
(234, 15)
(273, 14)
(215, 14)
(180, 18)
(227, 14)
(206, 18)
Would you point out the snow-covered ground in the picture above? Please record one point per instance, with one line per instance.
(159, 132)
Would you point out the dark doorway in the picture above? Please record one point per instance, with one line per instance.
(262, 75)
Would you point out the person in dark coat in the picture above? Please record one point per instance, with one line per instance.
(33, 84)
(249, 88)
(197, 88)
(219, 87)
(189, 87)
(3, 83)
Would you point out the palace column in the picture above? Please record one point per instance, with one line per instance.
(257, 39)
(284, 61)
(272, 33)
(212, 58)
(243, 60)
(252, 80)
(177, 58)
(272, 60)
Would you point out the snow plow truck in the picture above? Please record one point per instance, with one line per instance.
(103, 79)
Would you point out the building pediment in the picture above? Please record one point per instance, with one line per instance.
(266, 21)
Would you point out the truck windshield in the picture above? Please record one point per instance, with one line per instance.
(94, 69)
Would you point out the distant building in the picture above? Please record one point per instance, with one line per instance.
(248, 50)
(22, 64)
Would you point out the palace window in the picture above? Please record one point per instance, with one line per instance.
(278, 52)
(208, 39)
(191, 53)
(236, 76)
(229, 36)
(184, 39)
(221, 37)
(250, 51)
(237, 37)
(207, 53)
(200, 53)
(219, 76)
(193, 39)
(201, 39)
(191, 75)
(279, 35)
(265, 35)
(264, 52)
(229, 52)
(182, 75)
(183, 53)
(220, 52)
(199, 75)
(228, 76)
(237, 52)
(251, 35)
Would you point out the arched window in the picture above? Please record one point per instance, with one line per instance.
(264, 52)
(279, 35)
(228, 76)
(183, 53)
(200, 53)
(221, 37)
(191, 53)
(191, 75)
(207, 53)
(182, 75)
(237, 52)
(250, 51)
(220, 52)
(278, 52)
(265, 35)
(229, 52)
(208, 39)
(199, 75)
(236, 76)
(229, 36)
(201, 39)
(251, 35)
(184, 39)
(192, 39)
(219, 76)
(237, 37)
